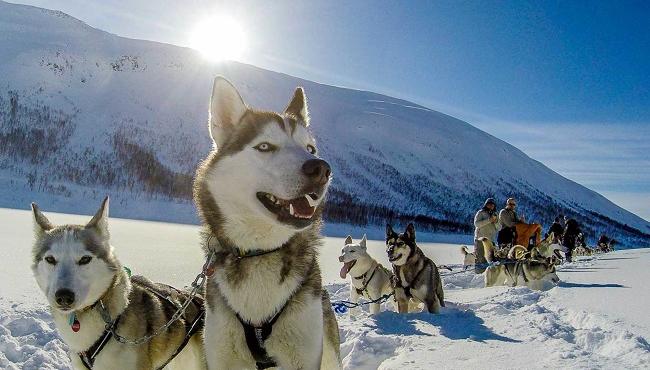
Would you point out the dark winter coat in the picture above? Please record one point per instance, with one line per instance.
(556, 229)
(571, 231)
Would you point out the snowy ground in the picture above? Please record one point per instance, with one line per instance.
(594, 319)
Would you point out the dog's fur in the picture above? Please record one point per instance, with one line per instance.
(80, 259)
(518, 252)
(532, 272)
(257, 155)
(550, 248)
(469, 259)
(368, 278)
(413, 271)
(583, 250)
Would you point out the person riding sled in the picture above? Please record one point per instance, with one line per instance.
(486, 225)
(508, 218)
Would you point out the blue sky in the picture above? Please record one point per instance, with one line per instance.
(567, 82)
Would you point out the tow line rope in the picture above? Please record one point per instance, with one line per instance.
(342, 307)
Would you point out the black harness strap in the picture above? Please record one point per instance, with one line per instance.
(255, 338)
(407, 289)
(364, 288)
(191, 328)
(88, 356)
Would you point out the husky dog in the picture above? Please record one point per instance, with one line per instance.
(549, 248)
(260, 196)
(369, 279)
(469, 259)
(85, 285)
(416, 276)
(531, 272)
(583, 250)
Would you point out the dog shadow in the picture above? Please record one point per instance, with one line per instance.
(564, 284)
(453, 322)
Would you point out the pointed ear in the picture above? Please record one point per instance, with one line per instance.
(41, 223)
(390, 233)
(363, 241)
(226, 110)
(100, 220)
(298, 106)
(410, 231)
(348, 240)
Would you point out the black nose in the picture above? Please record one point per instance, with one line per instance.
(317, 170)
(64, 297)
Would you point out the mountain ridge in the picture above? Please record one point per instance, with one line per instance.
(102, 113)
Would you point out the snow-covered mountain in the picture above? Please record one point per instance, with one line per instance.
(84, 113)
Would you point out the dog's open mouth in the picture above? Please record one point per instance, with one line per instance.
(300, 209)
(347, 266)
(395, 257)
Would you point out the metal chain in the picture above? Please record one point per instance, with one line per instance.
(197, 284)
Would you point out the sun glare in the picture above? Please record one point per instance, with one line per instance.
(219, 38)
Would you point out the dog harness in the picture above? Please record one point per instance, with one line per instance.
(364, 288)
(88, 356)
(407, 289)
(257, 335)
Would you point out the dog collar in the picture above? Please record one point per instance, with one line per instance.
(239, 254)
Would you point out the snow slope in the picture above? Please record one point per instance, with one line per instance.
(595, 319)
(84, 113)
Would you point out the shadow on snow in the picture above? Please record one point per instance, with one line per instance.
(564, 284)
(453, 322)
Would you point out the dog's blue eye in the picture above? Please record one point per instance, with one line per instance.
(264, 147)
(85, 260)
(311, 149)
(50, 260)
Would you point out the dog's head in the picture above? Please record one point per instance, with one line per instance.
(540, 268)
(400, 247)
(352, 252)
(265, 177)
(73, 264)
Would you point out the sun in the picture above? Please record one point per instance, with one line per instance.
(219, 38)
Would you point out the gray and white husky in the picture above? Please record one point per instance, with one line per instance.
(536, 272)
(368, 278)
(416, 279)
(75, 267)
(260, 196)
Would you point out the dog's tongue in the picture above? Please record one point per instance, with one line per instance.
(345, 269)
(302, 208)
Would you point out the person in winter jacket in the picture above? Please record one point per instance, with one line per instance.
(571, 232)
(486, 225)
(508, 219)
(556, 228)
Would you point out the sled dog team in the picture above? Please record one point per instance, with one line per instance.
(259, 301)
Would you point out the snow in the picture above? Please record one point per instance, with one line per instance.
(594, 319)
